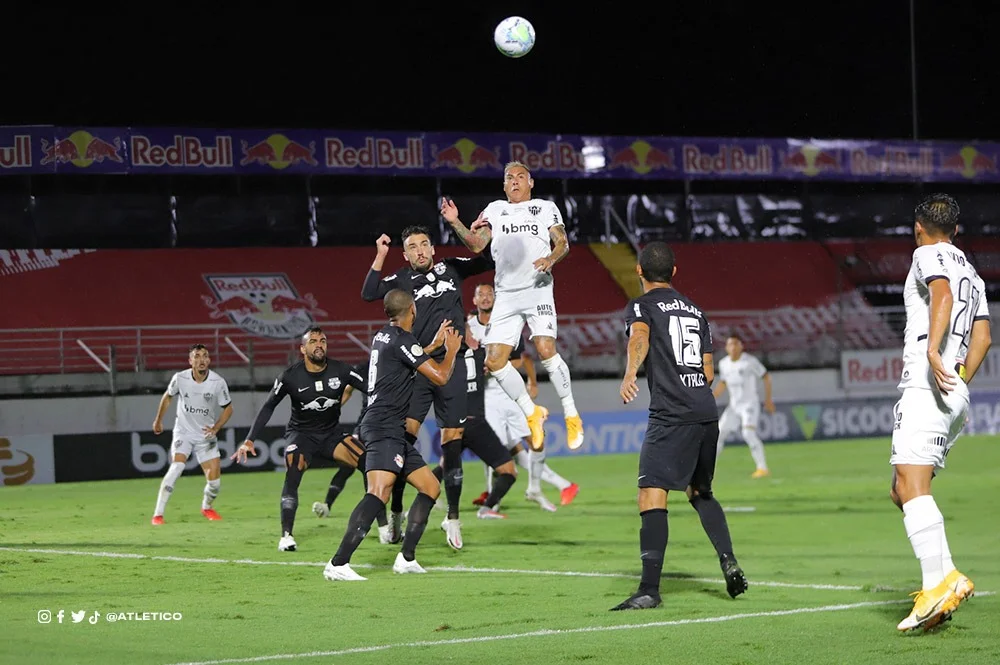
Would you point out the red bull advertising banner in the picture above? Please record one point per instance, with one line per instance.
(46, 149)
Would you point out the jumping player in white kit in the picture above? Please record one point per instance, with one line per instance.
(945, 342)
(203, 408)
(507, 420)
(739, 372)
(527, 238)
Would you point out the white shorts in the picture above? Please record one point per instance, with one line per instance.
(203, 450)
(512, 309)
(734, 418)
(504, 416)
(927, 424)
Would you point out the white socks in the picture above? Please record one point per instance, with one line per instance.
(526, 461)
(553, 478)
(489, 477)
(925, 529)
(211, 491)
(559, 376)
(513, 385)
(167, 486)
(535, 470)
(756, 447)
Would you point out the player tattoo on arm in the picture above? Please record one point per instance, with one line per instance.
(475, 238)
(560, 244)
(638, 347)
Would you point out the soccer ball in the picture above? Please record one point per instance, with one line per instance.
(514, 36)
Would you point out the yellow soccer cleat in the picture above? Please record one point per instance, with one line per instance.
(931, 607)
(760, 473)
(574, 432)
(536, 424)
(961, 585)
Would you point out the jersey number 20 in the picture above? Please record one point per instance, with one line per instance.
(685, 338)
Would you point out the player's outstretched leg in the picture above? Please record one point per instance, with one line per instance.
(338, 569)
(295, 466)
(167, 487)
(713, 521)
(756, 447)
(498, 363)
(567, 490)
(536, 465)
(337, 484)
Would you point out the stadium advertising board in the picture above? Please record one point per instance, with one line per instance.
(872, 370)
(147, 150)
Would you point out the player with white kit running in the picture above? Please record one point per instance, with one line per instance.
(203, 408)
(527, 238)
(739, 372)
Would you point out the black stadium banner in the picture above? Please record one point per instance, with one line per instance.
(123, 455)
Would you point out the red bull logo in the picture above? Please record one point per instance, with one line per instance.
(17, 467)
(279, 152)
(466, 156)
(810, 160)
(642, 158)
(81, 148)
(17, 155)
(968, 162)
(267, 305)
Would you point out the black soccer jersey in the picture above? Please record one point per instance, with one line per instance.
(437, 292)
(475, 372)
(315, 397)
(679, 333)
(396, 355)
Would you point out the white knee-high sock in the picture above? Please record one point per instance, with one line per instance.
(947, 565)
(513, 385)
(756, 447)
(559, 376)
(925, 529)
(211, 491)
(553, 478)
(523, 460)
(535, 471)
(489, 477)
(167, 486)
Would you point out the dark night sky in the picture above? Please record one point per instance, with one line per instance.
(803, 69)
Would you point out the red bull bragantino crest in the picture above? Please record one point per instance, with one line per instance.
(266, 305)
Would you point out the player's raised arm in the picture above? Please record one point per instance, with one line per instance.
(375, 287)
(476, 238)
(940, 316)
(439, 337)
(274, 398)
(440, 373)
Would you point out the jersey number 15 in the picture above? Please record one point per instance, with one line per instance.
(685, 338)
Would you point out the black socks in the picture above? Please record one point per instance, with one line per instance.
(652, 546)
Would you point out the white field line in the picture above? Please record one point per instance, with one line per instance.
(448, 569)
(547, 632)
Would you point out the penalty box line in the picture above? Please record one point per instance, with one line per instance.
(451, 569)
(547, 632)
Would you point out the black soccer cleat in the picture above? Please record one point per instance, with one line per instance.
(736, 581)
(639, 601)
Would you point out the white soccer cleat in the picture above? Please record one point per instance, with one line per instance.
(385, 534)
(341, 573)
(402, 566)
(540, 499)
(287, 543)
(321, 509)
(489, 514)
(453, 531)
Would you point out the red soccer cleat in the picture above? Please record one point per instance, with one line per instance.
(157, 520)
(567, 495)
(210, 514)
(481, 500)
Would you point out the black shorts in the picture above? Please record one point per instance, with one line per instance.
(449, 400)
(674, 457)
(311, 445)
(389, 451)
(480, 438)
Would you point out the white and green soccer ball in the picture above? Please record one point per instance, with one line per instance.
(514, 36)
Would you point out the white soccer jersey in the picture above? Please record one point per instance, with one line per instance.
(931, 262)
(521, 237)
(198, 404)
(741, 377)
